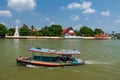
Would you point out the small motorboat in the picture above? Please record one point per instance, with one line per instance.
(52, 58)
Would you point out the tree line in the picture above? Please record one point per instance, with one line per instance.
(52, 30)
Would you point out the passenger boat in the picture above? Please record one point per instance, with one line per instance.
(50, 57)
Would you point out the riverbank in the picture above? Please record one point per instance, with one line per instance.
(47, 37)
(32, 37)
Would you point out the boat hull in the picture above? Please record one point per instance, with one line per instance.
(26, 61)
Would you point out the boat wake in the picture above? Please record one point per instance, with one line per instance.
(98, 62)
(34, 66)
(31, 66)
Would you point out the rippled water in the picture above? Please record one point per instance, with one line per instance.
(102, 59)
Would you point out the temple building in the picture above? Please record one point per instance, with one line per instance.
(68, 32)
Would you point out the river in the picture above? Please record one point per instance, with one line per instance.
(102, 59)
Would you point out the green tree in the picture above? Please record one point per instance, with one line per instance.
(11, 31)
(3, 30)
(86, 31)
(44, 31)
(77, 33)
(98, 31)
(55, 30)
(24, 30)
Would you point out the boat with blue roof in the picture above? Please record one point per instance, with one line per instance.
(51, 58)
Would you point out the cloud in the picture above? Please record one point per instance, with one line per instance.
(17, 22)
(20, 5)
(62, 8)
(74, 5)
(5, 13)
(51, 22)
(54, 23)
(117, 21)
(74, 17)
(77, 27)
(48, 19)
(85, 6)
(88, 11)
(105, 13)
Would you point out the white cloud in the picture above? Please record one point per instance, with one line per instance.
(77, 27)
(105, 13)
(117, 21)
(62, 8)
(74, 17)
(51, 22)
(74, 5)
(48, 19)
(5, 13)
(54, 23)
(20, 5)
(85, 6)
(17, 22)
(88, 11)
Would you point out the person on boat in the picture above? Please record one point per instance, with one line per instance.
(58, 58)
(66, 58)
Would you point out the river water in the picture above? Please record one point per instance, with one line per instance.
(102, 60)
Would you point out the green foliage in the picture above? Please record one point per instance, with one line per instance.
(53, 30)
(24, 30)
(11, 31)
(86, 31)
(98, 31)
(117, 35)
(77, 33)
(3, 30)
(44, 31)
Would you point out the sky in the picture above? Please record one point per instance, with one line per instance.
(103, 14)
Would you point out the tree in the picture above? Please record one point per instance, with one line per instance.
(3, 30)
(55, 30)
(77, 33)
(117, 35)
(86, 31)
(24, 30)
(11, 31)
(98, 31)
(44, 31)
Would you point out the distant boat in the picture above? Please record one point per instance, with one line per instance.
(49, 57)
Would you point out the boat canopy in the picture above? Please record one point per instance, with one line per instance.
(50, 51)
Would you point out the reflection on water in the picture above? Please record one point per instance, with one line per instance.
(16, 43)
(102, 59)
